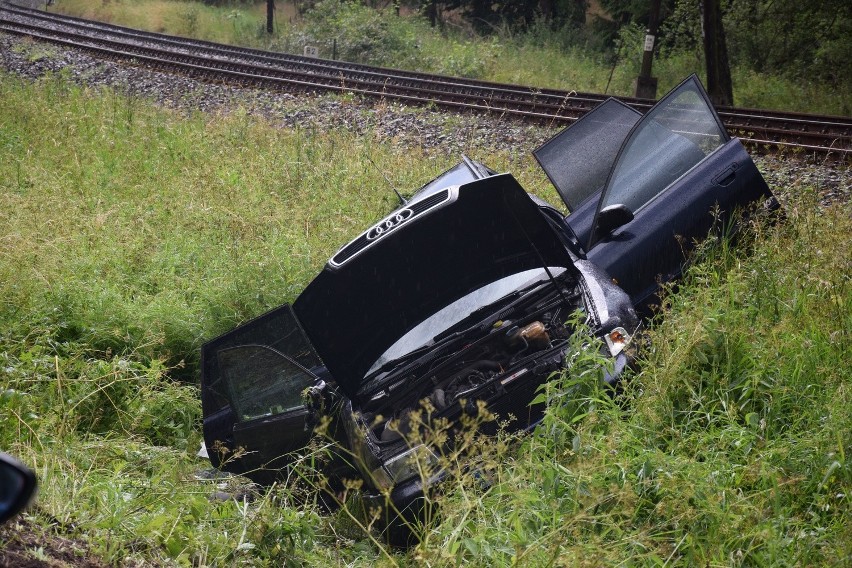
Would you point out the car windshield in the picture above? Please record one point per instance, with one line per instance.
(450, 315)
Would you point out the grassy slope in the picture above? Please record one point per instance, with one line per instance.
(537, 61)
(731, 446)
(128, 235)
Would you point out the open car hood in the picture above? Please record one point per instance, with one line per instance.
(419, 259)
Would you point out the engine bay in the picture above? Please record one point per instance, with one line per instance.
(485, 367)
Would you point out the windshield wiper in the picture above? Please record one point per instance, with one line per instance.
(430, 347)
(393, 363)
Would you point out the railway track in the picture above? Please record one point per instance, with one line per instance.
(207, 61)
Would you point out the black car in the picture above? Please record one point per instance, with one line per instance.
(465, 297)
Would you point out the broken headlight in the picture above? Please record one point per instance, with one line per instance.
(418, 461)
(617, 340)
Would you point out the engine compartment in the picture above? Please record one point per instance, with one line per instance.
(483, 369)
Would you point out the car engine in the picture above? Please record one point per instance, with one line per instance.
(483, 369)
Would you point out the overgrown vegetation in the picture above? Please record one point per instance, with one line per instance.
(792, 61)
(130, 234)
(728, 448)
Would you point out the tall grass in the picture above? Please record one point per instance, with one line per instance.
(729, 447)
(130, 234)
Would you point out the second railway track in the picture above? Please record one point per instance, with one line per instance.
(772, 130)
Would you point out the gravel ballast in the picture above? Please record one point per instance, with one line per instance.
(434, 131)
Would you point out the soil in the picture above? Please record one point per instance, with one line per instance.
(25, 544)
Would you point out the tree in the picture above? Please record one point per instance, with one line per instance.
(486, 15)
(639, 11)
(270, 12)
(806, 40)
(719, 85)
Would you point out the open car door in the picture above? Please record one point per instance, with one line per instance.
(676, 175)
(578, 159)
(252, 379)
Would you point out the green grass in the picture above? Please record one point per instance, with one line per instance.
(539, 58)
(130, 234)
(240, 24)
(731, 445)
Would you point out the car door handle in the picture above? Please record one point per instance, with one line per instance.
(727, 176)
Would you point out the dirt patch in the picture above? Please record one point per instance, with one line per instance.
(24, 544)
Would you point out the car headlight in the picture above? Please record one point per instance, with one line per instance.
(617, 340)
(419, 460)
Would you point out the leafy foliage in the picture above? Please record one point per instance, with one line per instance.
(809, 42)
(638, 11)
(486, 16)
(353, 32)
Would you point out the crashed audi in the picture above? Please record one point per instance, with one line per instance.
(465, 297)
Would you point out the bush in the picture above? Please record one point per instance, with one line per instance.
(379, 37)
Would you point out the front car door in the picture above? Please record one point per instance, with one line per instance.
(252, 381)
(676, 174)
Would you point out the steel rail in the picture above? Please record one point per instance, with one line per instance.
(310, 62)
(214, 62)
(454, 88)
(749, 114)
(212, 75)
(592, 98)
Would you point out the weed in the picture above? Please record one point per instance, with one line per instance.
(130, 234)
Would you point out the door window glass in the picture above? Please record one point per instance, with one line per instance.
(578, 159)
(262, 382)
(277, 330)
(680, 131)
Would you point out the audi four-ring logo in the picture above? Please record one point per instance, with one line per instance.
(389, 224)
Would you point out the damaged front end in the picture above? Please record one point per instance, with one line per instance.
(450, 312)
(399, 430)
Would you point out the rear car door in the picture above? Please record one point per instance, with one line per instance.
(676, 175)
(252, 380)
(578, 160)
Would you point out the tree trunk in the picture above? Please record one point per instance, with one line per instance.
(546, 9)
(270, 10)
(432, 12)
(719, 85)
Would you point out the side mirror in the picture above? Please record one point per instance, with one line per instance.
(17, 486)
(612, 217)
